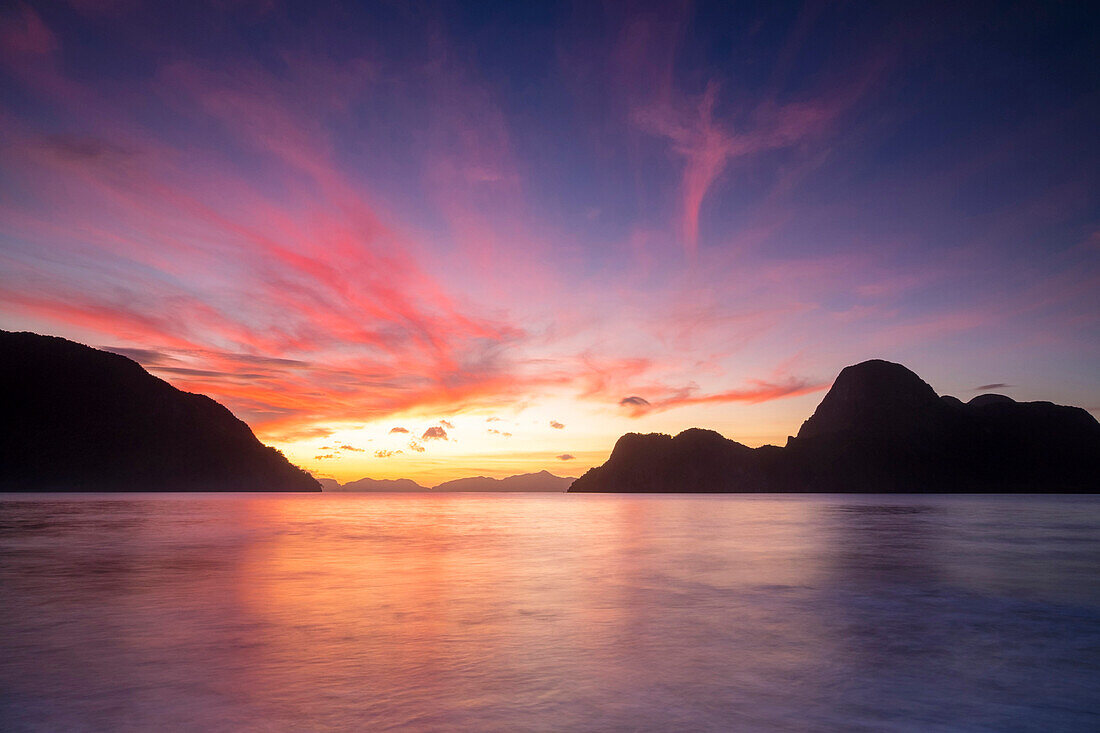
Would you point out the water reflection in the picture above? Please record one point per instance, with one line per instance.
(548, 612)
(886, 543)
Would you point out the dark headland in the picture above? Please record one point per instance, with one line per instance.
(81, 419)
(880, 428)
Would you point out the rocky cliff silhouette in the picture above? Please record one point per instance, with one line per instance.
(81, 419)
(880, 428)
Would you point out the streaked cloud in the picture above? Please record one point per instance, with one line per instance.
(758, 391)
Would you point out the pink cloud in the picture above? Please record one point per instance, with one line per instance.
(707, 143)
(759, 391)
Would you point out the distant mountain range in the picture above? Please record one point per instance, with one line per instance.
(81, 419)
(373, 484)
(541, 481)
(879, 429)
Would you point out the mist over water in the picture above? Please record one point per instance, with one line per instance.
(549, 612)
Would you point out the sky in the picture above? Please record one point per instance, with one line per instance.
(433, 240)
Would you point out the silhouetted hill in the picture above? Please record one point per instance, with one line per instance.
(875, 396)
(690, 462)
(376, 484)
(879, 429)
(329, 484)
(541, 481)
(81, 419)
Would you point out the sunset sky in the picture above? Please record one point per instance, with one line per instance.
(432, 240)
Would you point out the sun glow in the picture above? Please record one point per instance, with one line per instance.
(555, 436)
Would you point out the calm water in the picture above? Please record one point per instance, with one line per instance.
(549, 612)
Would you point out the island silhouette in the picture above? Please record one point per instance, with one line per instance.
(880, 428)
(82, 419)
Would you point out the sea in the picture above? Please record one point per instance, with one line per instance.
(549, 612)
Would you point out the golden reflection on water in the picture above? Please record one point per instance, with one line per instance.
(557, 594)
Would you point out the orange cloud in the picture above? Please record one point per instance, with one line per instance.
(434, 433)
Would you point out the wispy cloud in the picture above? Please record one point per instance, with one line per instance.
(758, 391)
